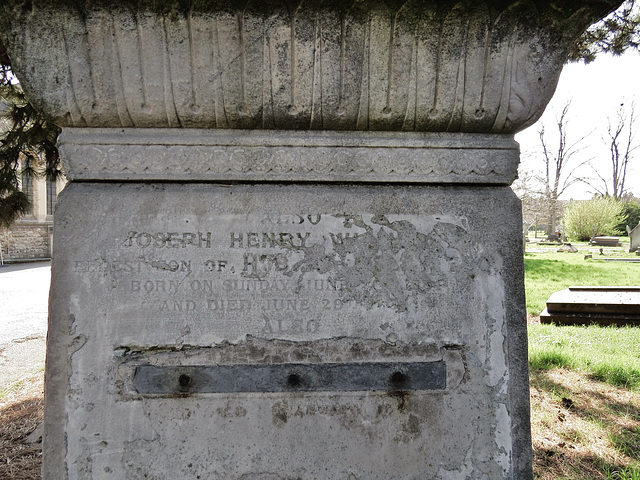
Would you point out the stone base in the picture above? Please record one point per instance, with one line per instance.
(200, 280)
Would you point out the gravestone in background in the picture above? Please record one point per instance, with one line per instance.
(289, 249)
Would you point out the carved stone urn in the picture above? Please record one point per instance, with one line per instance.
(393, 65)
(289, 249)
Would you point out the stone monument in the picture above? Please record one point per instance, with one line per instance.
(289, 249)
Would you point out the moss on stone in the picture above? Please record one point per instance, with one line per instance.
(175, 6)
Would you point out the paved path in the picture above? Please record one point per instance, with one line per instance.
(24, 292)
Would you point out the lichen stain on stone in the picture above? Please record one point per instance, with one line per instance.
(231, 411)
(413, 425)
(410, 428)
(386, 263)
(280, 414)
(83, 462)
(136, 458)
(401, 396)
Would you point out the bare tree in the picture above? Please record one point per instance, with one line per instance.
(533, 204)
(559, 169)
(622, 141)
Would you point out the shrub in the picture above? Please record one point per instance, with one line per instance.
(598, 216)
(632, 211)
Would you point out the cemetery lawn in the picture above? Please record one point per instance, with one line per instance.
(549, 272)
(585, 381)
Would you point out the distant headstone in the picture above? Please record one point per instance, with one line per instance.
(634, 238)
(567, 248)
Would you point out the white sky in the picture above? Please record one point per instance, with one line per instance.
(596, 92)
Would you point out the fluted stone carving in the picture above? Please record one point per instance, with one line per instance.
(454, 66)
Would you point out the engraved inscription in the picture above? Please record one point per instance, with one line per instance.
(281, 275)
(168, 240)
(268, 240)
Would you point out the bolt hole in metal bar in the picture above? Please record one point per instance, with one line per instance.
(328, 377)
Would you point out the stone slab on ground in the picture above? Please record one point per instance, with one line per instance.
(599, 305)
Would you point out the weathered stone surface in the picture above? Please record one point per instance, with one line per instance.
(197, 274)
(365, 265)
(456, 66)
(214, 155)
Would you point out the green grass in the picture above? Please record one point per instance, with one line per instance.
(609, 354)
(546, 273)
(631, 473)
(628, 442)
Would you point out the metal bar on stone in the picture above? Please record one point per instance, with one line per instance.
(294, 377)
